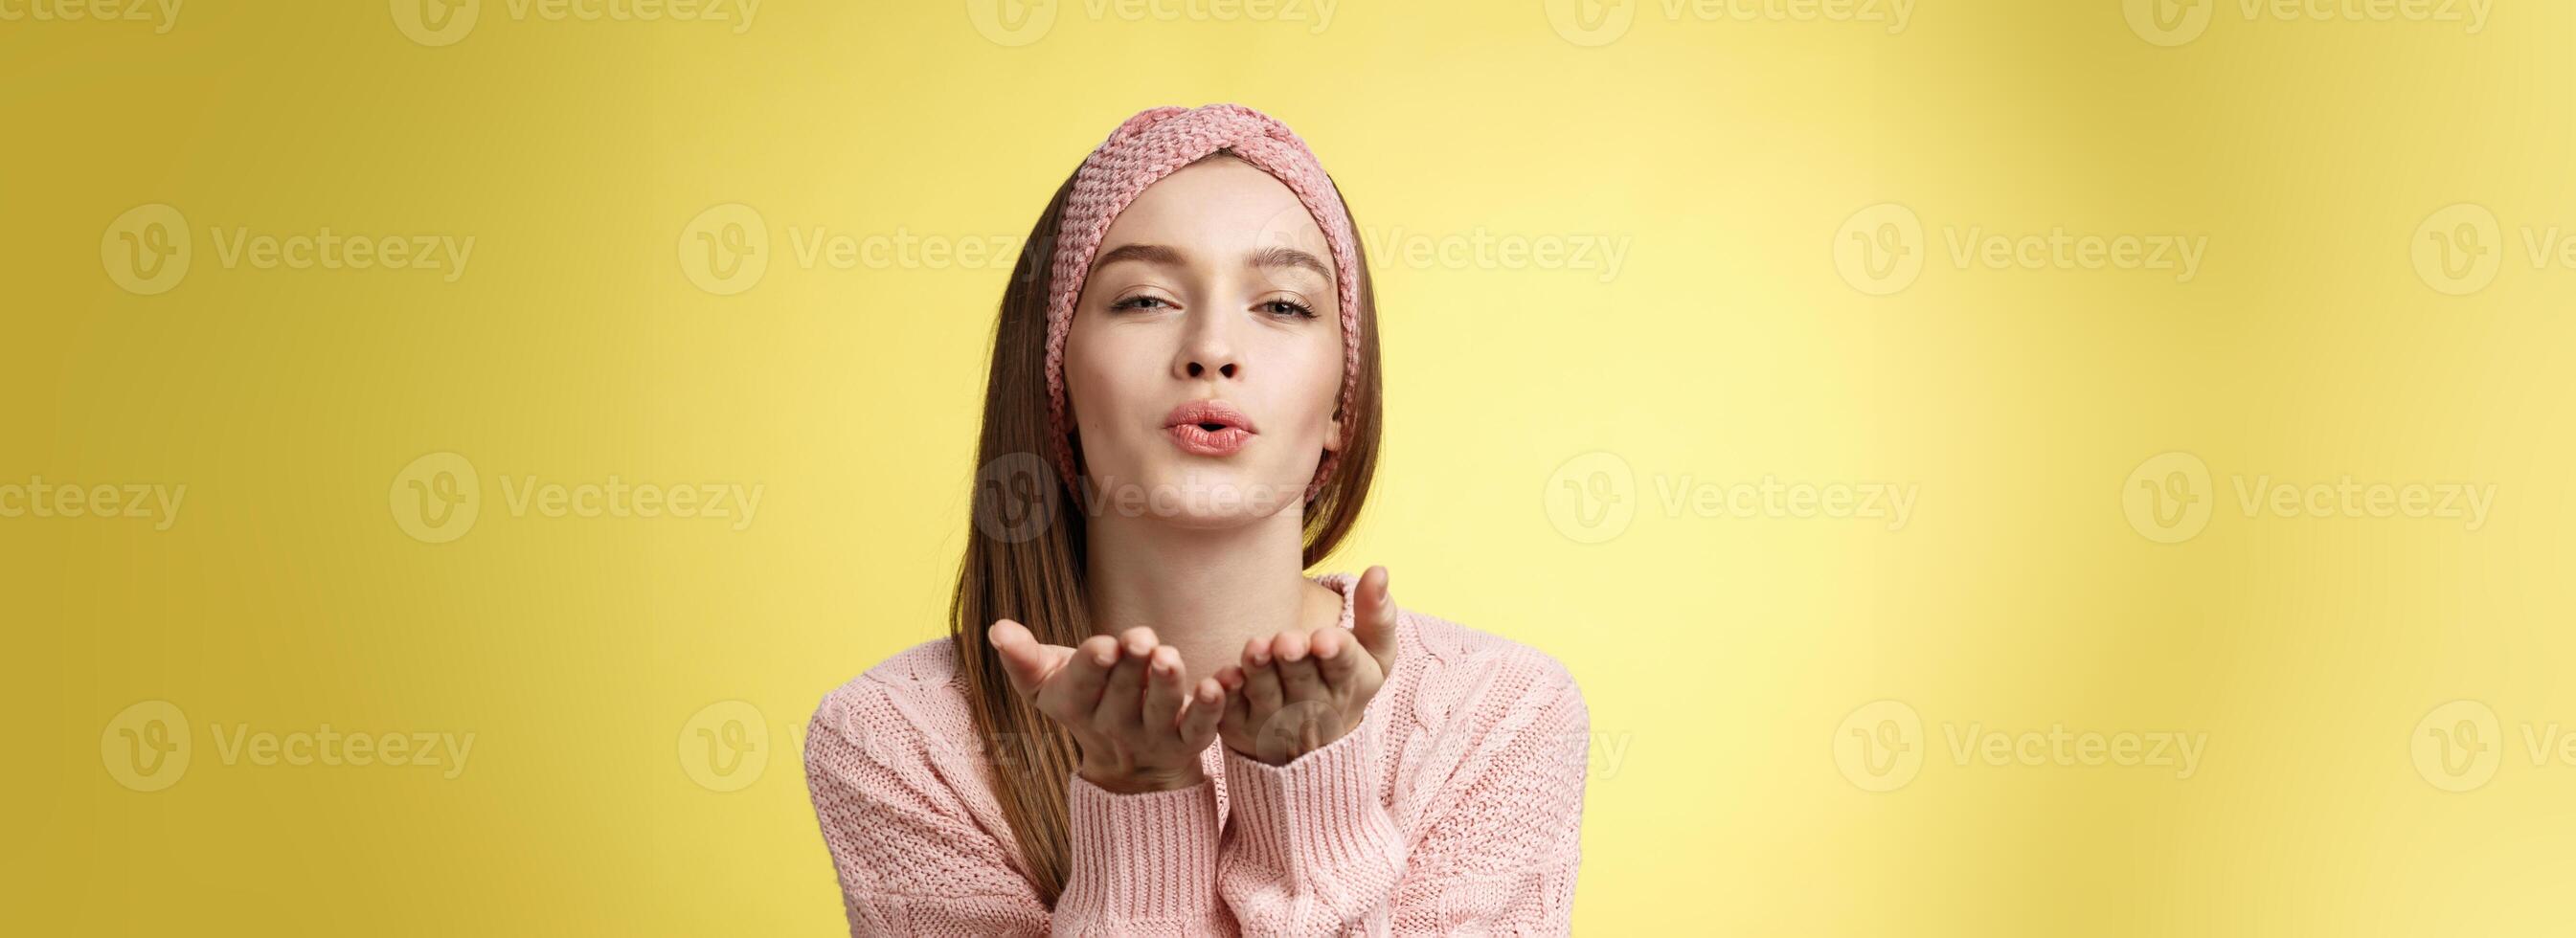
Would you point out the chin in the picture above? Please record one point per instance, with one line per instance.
(1204, 497)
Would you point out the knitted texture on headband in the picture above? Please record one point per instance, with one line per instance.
(1143, 150)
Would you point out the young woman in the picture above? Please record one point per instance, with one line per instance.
(1146, 719)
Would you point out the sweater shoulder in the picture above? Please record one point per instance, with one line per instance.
(912, 695)
(1460, 668)
(1447, 646)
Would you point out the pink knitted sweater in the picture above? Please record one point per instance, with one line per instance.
(1455, 807)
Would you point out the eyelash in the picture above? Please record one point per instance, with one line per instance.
(1300, 310)
(1294, 308)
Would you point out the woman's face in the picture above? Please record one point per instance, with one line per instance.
(1214, 285)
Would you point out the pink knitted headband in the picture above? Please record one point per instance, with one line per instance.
(1148, 147)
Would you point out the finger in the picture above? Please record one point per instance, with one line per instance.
(1297, 678)
(1237, 719)
(1206, 708)
(1075, 692)
(1230, 680)
(1337, 657)
(1373, 618)
(1260, 679)
(1138, 642)
(1021, 663)
(1166, 691)
(1026, 662)
(1124, 697)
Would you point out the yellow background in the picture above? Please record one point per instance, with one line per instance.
(1720, 655)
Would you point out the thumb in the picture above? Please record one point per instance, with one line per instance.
(1025, 662)
(1373, 619)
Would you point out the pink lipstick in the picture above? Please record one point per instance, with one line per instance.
(1208, 428)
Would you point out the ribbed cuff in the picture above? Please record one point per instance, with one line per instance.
(1317, 816)
(1142, 856)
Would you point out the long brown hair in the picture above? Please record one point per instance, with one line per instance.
(1024, 553)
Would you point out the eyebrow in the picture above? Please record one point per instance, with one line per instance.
(1282, 256)
(1147, 253)
(1272, 256)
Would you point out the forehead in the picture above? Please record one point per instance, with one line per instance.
(1220, 205)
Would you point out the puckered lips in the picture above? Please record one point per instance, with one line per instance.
(1209, 427)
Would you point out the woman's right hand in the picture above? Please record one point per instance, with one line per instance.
(1126, 700)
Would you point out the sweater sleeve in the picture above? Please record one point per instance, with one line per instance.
(912, 860)
(1313, 851)
(1143, 864)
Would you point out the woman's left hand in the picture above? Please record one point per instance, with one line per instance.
(1295, 692)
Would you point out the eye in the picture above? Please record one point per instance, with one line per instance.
(1141, 301)
(1288, 308)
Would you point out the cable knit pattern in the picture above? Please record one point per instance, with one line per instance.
(1144, 149)
(1455, 807)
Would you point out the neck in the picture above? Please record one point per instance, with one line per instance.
(1203, 591)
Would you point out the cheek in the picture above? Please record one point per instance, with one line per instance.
(1100, 373)
(1315, 368)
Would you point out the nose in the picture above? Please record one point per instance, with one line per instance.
(1207, 348)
